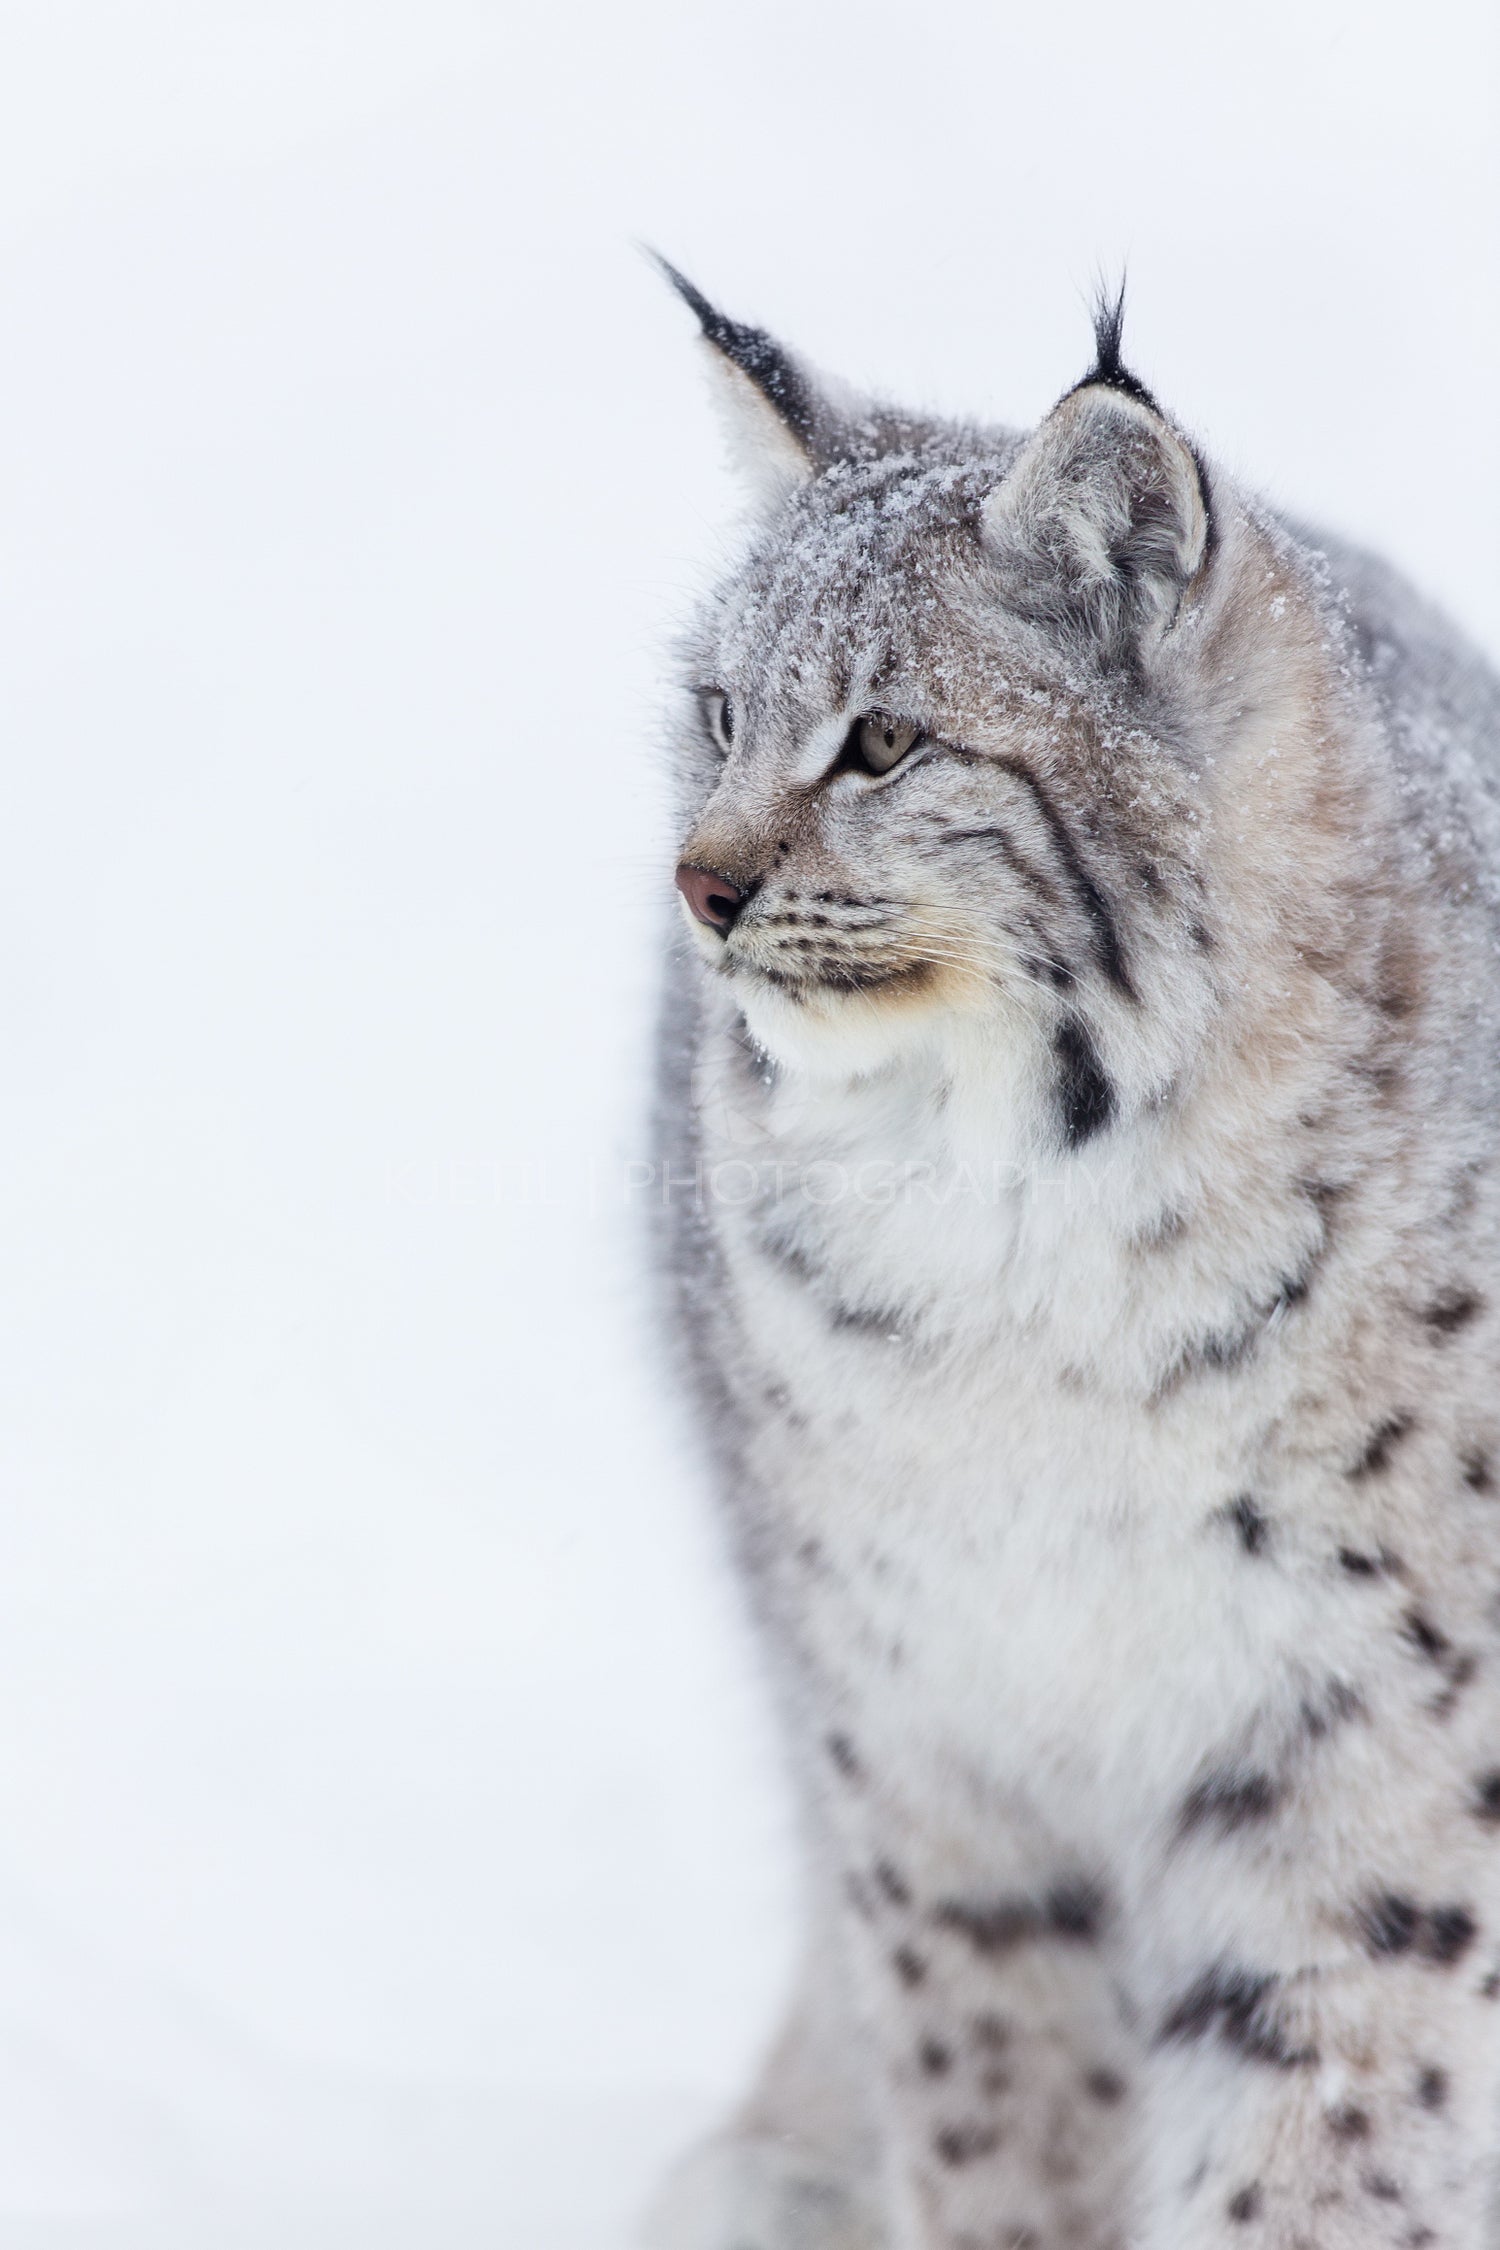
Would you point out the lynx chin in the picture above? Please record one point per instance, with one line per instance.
(1090, 895)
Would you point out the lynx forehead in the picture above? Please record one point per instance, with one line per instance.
(1089, 891)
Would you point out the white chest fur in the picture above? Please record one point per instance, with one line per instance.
(1016, 1570)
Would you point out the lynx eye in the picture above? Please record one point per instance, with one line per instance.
(879, 742)
(719, 712)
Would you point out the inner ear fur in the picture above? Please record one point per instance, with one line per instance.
(1103, 522)
(771, 453)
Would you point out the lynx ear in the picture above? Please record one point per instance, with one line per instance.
(1103, 522)
(773, 416)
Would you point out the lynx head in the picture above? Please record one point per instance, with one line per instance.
(943, 749)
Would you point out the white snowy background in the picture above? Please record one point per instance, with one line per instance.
(391, 1849)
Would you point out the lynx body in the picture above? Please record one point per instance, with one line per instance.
(1081, 1081)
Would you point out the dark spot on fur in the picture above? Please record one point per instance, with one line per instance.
(1085, 1097)
(1358, 1565)
(1235, 2003)
(1487, 1798)
(1104, 2085)
(1424, 1635)
(1432, 2087)
(1075, 1909)
(1381, 1444)
(962, 2144)
(1339, 1703)
(991, 1928)
(1460, 1673)
(1382, 1071)
(1450, 1931)
(1389, 1923)
(1245, 2203)
(1350, 2123)
(990, 2032)
(1201, 937)
(935, 2058)
(1477, 1472)
(844, 1756)
(1070, 1910)
(1234, 1350)
(1490, 1989)
(1248, 1521)
(1453, 1310)
(1420, 2238)
(1230, 1348)
(787, 1256)
(1164, 1229)
(1381, 2186)
(908, 1965)
(1227, 1801)
(1221, 1351)
(890, 1883)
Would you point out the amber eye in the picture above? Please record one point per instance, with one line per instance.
(719, 712)
(878, 741)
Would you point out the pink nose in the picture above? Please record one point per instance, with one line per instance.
(712, 901)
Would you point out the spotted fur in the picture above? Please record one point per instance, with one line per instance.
(1082, 1214)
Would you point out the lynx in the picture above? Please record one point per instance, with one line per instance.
(1080, 1083)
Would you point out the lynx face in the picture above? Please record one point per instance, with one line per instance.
(936, 757)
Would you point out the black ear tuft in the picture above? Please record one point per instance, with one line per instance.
(1109, 368)
(1102, 522)
(758, 356)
